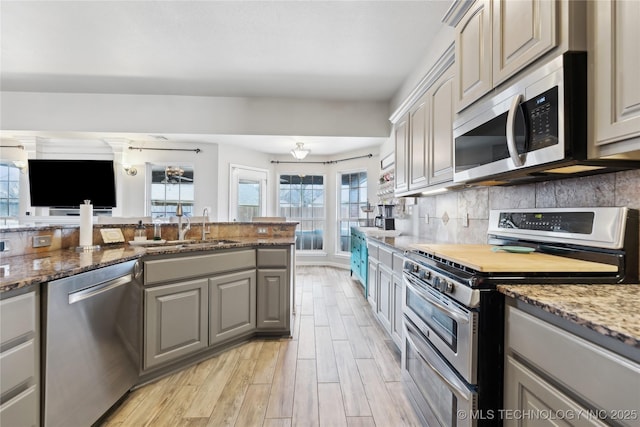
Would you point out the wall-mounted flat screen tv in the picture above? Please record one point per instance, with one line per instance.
(68, 183)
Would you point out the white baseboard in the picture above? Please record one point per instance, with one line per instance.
(322, 264)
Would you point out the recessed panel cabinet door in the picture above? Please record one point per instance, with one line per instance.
(473, 54)
(232, 310)
(385, 302)
(418, 142)
(616, 62)
(401, 133)
(523, 31)
(440, 167)
(273, 299)
(175, 321)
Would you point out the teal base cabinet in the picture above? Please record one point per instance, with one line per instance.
(359, 257)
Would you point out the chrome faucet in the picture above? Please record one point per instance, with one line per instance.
(205, 217)
(182, 232)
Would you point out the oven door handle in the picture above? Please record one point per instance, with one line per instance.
(430, 358)
(452, 312)
(511, 132)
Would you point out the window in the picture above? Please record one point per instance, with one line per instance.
(170, 185)
(9, 190)
(302, 200)
(352, 198)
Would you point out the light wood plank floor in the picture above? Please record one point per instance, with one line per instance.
(339, 369)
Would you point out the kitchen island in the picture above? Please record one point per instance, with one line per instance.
(244, 279)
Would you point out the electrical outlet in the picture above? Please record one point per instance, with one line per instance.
(426, 219)
(262, 230)
(41, 241)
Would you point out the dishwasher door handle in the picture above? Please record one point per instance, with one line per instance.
(99, 288)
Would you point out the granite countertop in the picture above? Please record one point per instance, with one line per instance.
(401, 243)
(611, 310)
(25, 270)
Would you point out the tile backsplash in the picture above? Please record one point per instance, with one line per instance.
(442, 218)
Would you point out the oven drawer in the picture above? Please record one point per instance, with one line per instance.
(440, 396)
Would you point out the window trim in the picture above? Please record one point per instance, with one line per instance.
(11, 165)
(339, 218)
(309, 252)
(147, 188)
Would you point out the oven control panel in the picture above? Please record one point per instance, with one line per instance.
(421, 275)
(429, 277)
(564, 222)
(597, 227)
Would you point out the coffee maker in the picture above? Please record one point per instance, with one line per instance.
(384, 220)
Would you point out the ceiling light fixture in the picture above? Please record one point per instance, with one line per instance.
(299, 152)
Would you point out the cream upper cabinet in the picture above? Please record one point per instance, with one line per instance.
(418, 143)
(615, 63)
(523, 30)
(401, 134)
(440, 163)
(473, 54)
(497, 38)
(424, 134)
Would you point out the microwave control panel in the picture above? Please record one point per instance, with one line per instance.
(542, 114)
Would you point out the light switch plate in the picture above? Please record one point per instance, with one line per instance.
(112, 235)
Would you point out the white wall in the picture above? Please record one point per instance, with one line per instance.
(205, 166)
(228, 155)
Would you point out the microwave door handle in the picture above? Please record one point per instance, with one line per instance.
(511, 131)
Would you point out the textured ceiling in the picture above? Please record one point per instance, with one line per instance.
(337, 50)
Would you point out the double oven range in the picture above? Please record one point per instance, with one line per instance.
(452, 355)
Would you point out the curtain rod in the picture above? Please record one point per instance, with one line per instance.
(12, 146)
(196, 150)
(328, 162)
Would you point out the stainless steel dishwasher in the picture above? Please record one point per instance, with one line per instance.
(92, 343)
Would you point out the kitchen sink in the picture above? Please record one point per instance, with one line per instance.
(213, 242)
(178, 244)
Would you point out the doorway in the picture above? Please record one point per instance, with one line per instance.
(248, 193)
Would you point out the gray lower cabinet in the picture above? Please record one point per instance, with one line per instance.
(385, 301)
(396, 320)
(273, 299)
(548, 368)
(529, 393)
(384, 290)
(19, 361)
(372, 285)
(175, 320)
(232, 305)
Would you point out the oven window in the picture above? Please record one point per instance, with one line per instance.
(445, 327)
(441, 400)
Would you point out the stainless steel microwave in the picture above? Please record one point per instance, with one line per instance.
(534, 129)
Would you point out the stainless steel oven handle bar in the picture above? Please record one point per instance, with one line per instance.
(439, 368)
(457, 315)
(98, 289)
(511, 132)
